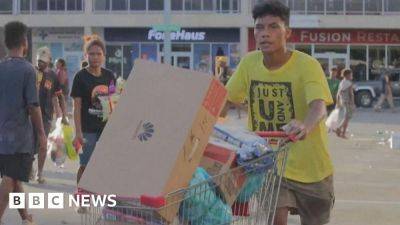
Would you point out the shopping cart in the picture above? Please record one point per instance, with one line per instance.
(203, 203)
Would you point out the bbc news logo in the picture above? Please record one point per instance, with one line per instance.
(57, 200)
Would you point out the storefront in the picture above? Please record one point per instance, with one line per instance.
(64, 43)
(365, 51)
(192, 48)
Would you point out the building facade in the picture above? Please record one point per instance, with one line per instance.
(361, 34)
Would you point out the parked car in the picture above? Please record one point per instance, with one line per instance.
(365, 92)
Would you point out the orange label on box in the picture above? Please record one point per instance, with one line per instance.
(215, 97)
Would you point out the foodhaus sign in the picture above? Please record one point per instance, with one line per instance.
(181, 35)
(343, 36)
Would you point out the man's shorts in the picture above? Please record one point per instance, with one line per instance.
(312, 201)
(88, 147)
(17, 166)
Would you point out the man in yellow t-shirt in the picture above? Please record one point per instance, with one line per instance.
(287, 90)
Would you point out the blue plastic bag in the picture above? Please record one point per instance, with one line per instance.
(201, 205)
(253, 183)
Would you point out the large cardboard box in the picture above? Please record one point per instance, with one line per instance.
(219, 160)
(155, 138)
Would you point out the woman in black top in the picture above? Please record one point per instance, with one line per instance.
(89, 84)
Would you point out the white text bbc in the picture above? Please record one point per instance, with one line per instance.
(56, 200)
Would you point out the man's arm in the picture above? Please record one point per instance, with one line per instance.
(77, 119)
(316, 112)
(61, 101)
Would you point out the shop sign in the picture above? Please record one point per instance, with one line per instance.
(329, 36)
(220, 35)
(182, 35)
(56, 34)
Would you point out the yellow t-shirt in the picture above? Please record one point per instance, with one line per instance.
(276, 97)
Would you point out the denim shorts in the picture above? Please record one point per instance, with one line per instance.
(88, 147)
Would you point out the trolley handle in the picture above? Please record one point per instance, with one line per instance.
(276, 134)
(153, 201)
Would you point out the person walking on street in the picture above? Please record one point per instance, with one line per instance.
(345, 101)
(20, 109)
(333, 83)
(90, 83)
(62, 75)
(50, 93)
(287, 90)
(386, 93)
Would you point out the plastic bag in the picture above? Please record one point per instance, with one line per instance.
(251, 146)
(68, 134)
(56, 146)
(241, 138)
(201, 205)
(335, 119)
(253, 183)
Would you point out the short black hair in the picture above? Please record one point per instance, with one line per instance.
(15, 33)
(61, 61)
(272, 8)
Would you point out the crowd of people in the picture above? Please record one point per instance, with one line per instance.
(30, 97)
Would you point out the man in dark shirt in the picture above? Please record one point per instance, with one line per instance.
(19, 109)
(50, 92)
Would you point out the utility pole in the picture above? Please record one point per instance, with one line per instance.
(167, 32)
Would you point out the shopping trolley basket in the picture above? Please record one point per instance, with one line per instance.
(203, 203)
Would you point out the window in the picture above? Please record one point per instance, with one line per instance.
(392, 6)
(316, 6)
(25, 6)
(193, 5)
(39, 5)
(234, 55)
(57, 5)
(114, 58)
(75, 5)
(376, 61)
(6, 6)
(334, 6)
(176, 4)
(297, 6)
(304, 48)
(373, 7)
(138, 4)
(223, 6)
(358, 62)
(156, 4)
(148, 52)
(119, 4)
(208, 5)
(131, 52)
(330, 48)
(102, 5)
(354, 7)
(394, 56)
(235, 5)
(201, 58)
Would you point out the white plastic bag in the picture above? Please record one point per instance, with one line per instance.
(56, 145)
(333, 120)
